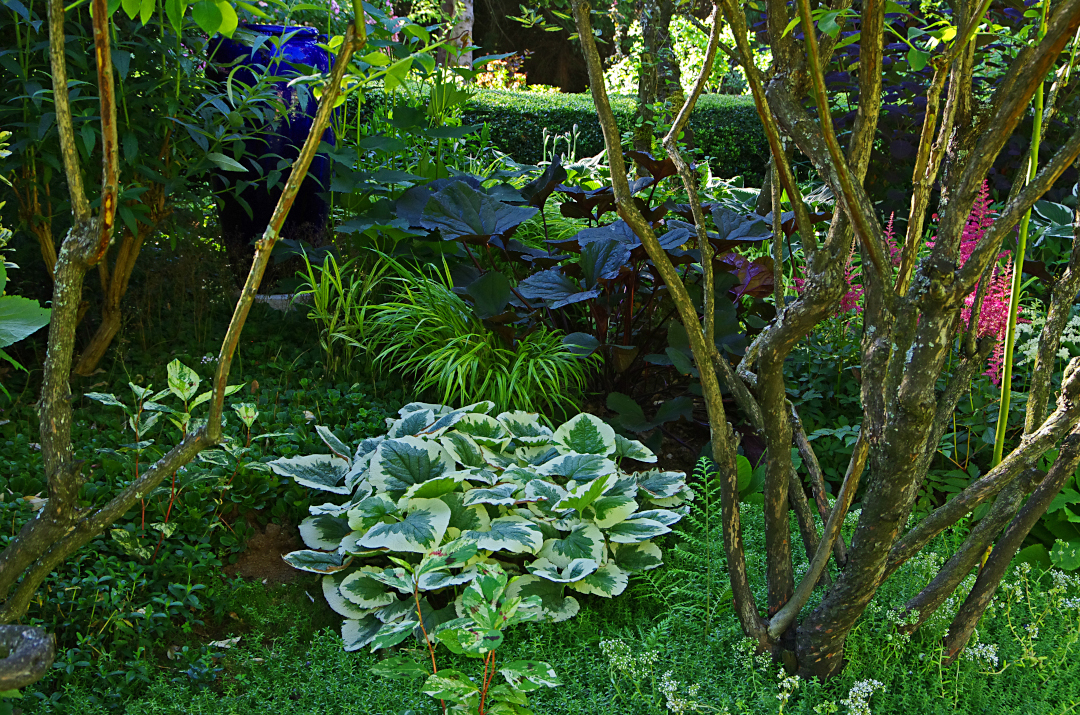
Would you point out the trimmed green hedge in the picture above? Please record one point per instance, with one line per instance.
(726, 128)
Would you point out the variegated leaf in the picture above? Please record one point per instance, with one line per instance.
(583, 542)
(324, 532)
(400, 463)
(485, 431)
(574, 571)
(586, 434)
(357, 633)
(642, 556)
(525, 427)
(331, 440)
(609, 580)
(318, 471)
(421, 529)
(585, 494)
(664, 516)
(317, 561)
(635, 530)
(632, 449)
(556, 606)
(660, 484)
(411, 424)
(500, 494)
(361, 589)
(579, 467)
(543, 496)
(463, 449)
(371, 511)
(528, 675)
(535, 456)
(509, 533)
(336, 601)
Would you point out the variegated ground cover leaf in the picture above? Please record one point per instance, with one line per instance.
(447, 495)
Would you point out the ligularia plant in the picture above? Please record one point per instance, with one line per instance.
(554, 507)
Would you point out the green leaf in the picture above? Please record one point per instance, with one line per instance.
(371, 511)
(318, 471)
(390, 634)
(131, 8)
(485, 430)
(528, 675)
(1065, 555)
(361, 589)
(450, 555)
(433, 488)
(490, 293)
(465, 518)
(583, 542)
(744, 470)
(317, 561)
(609, 509)
(330, 440)
(509, 533)
(411, 424)
(607, 581)
(19, 318)
(400, 667)
(207, 16)
(400, 463)
(586, 434)
(146, 11)
(106, 399)
(638, 557)
(324, 532)
(917, 59)
(576, 570)
(223, 162)
(175, 11)
(421, 529)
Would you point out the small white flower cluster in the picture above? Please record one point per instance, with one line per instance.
(208, 358)
(901, 620)
(1032, 631)
(983, 654)
(1071, 603)
(669, 688)
(851, 519)
(744, 652)
(787, 686)
(623, 660)
(858, 699)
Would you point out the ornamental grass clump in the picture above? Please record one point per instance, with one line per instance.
(553, 507)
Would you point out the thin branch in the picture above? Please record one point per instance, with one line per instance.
(786, 615)
(1031, 448)
(110, 182)
(80, 207)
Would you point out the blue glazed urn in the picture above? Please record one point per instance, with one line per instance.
(252, 53)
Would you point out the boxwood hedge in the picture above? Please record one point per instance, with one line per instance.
(726, 128)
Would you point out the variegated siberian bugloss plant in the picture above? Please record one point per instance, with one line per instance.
(554, 507)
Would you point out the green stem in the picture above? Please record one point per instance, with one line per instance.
(1018, 268)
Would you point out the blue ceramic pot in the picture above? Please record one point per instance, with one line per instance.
(282, 138)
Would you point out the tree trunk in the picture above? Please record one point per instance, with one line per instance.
(659, 74)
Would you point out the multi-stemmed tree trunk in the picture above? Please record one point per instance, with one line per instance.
(911, 325)
(658, 73)
(62, 526)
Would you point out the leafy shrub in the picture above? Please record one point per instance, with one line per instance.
(508, 486)
(726, 128)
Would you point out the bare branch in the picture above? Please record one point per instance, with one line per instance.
(110, 181)
(80, 207)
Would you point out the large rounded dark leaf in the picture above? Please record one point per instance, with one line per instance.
(537, 191)
(490, 293)
(461, 213)
(555, 287)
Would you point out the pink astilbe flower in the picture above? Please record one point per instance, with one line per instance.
(895, 252)
(852, 300)
(994, 309)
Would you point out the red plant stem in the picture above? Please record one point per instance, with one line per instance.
(489, 659)
(427, 641)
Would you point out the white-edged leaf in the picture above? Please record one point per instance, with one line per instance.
(642, 556)
(371, 511)
(664, 516)
(330, 440)
(582, 495)
(579, 467)
(576, 570)
(336, 601)
(536, 456)
(635, 530)
(660, 484)
(410, 424)
(526, 428)
(362, 590)
(317, 561)
(463, 449)
(485, 430)
(421, 529)
(543, 496)
(607, 581)
(632, 449)
(500, 494)
(432, 488)
(609, 510)
(556, 606)
(324, 532)
(357, 633)
(528, 675)
(318, 471)
(586, 434)
(583, 542)
(509, 533)
(400, 463)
